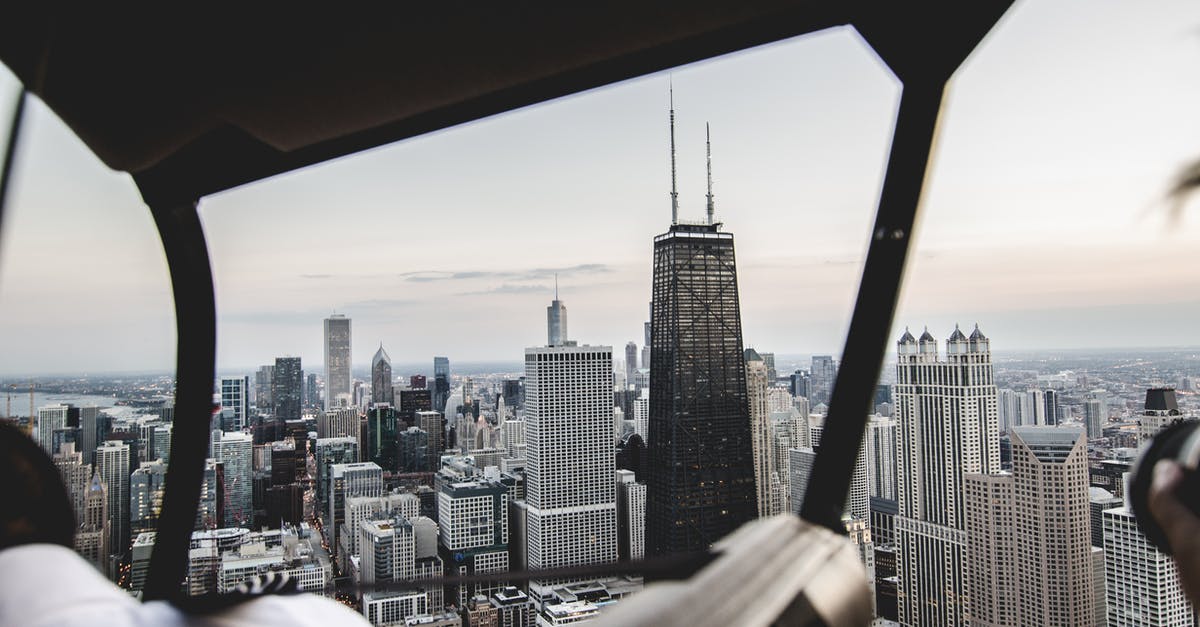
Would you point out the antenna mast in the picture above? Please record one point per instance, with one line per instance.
(674, 192)
(708, 155)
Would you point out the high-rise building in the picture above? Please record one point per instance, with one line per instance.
(383, 428)
(414, 400)
(1095, 413)
(556, 320)
(1029, 553)
(287, 388)
(381, 377)
(345, 481)
(75, 476)
(338, 389)
(417, 382)
(631, 516)
(1033, 408)
(1053, 408)
(947, 420)
(94, 528)
(473, 526)
(414, 453)
(235, 451)
(821, 379)
(881, 457)
(262, 388)
(760, 430)
(337, 423)
(53, 421)
(700, 475)
(1161, 409)
(112, 465)
(312, 391)
(1141, 584)
(330, 451)
(93, 429)
(432, 424)
(631, 361)
(235, 403)
(570, 459)
(146, 486)
(772, 374)
(441, 383)
(1009, 409)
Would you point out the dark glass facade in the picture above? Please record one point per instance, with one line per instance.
(699, 461)
(287, 385)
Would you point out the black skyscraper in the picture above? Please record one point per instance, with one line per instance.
(287, 385)
(699, 460)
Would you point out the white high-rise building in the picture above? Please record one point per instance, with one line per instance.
(1029, 558)
(1141, 584)
(947, 421)
(1009, 409)
(342, 422)
(1033, 408)
(345, 481)
(641, 413)
(570, 458)
(51, 419)
(236, 452)
(760, 433)
(881, 457)
(631, 516)
(1095, 413)
(338, 388)
(800, 465)
(112, 464)
(235, 403)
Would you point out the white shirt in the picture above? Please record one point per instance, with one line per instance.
(48, 584)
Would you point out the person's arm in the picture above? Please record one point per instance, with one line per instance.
(1179, 523)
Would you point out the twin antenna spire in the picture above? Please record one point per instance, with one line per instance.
(708, 156)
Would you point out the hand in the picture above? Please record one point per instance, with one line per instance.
(1179, 523)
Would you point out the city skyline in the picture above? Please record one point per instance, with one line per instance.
(1040, 219)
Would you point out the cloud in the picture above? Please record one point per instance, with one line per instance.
(510, 289)
(426, 276)
(316, 276)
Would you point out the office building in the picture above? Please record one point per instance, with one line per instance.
(821, 379)
(1161, 409)
(1095, 413)
(112, 465)
(700, 475)
(1029, 553)
(287, 388)
(411, 401)
(235, 403)
(146, 486)
(345, 481)
(52, 422)
(94, 529)
(473, 526)
(414, 455)
(760, 430)
(1141, 584)
(881, 457)
(381, 377)
(338, 388)
(338, 423)
(631, 516)
(631, 362)
(94, 426)
(569, 454)
(441, 382)
(262, 388)
(235, 451)
(947, 418)
(383, 428)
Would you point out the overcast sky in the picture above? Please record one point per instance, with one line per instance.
(1043, 220)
